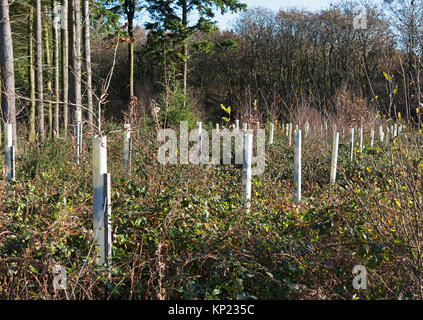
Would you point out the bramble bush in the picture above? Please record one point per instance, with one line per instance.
(182, 232)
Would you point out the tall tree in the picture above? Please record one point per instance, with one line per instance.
(56, 68)
(172, 16)
(130, 8)
(31, 72)
(77, 59)
(87, 47)
(65, 62)
(39, 70)
(47, 57)
(75, 97)
(7, 69)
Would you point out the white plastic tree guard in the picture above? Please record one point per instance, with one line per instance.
(101, 209)
(237, 126)
(372, 138)
(127, 150)
(334, 157)
(199, 139)
(78, 141)
(381, 134)
(9, 152)
(290, 134)
(351, 144)
(271, 134)
(246, 171)
(360, 139)
(297, 167)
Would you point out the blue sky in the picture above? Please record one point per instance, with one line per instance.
(224, 22)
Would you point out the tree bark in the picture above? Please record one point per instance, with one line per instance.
(88, 61)
(129, 9)
(39, 71)
(77, 59)
(7, 68)
(65, 63)
(48, 69)
(185, 49)
(31, 72)
(56, 69)
(71, 74)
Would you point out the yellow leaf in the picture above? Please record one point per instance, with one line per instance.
(399, 115)
(395, 91)
(386, 76)
(417, 110)
(398, 203)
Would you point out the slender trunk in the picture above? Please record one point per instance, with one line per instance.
(7, 68)
(56, 70)
(65, 62)
(88, 62)
(185, 49)
(31, 72)
(71, 32)
(77, 59)
(1, 89)
(48, 67)
(131, 56)
(39, 71)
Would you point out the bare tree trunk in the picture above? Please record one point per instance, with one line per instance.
(65, 63)
(48, 67)
(56, 70)
(129, 9)
(77, 62)
(71, 33)
(131, 59)
(7, 68)
(39, 71)
(185, 52)
(31, 72)
(88, 61)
